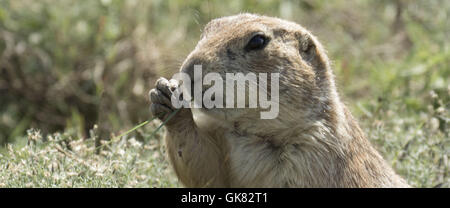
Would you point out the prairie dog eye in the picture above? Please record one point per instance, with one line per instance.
(258, 42)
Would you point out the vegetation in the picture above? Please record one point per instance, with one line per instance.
(75, 74)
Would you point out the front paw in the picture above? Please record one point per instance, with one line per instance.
(160, 98)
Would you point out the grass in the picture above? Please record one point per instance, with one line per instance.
(62, 160)
(67, 65)
(413, 144)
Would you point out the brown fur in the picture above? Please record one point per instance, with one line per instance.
(314, 141)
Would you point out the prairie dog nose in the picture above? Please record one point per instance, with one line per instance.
(190, 65)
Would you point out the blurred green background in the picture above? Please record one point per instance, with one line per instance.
(68, 65)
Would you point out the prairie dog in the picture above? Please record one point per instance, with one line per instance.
(313, 142)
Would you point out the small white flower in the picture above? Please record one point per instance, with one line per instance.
(134, 143)
(121, 152)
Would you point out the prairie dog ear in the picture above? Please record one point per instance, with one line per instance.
(311, 51)
(307, 48)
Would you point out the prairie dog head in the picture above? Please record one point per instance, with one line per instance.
(248, 43)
